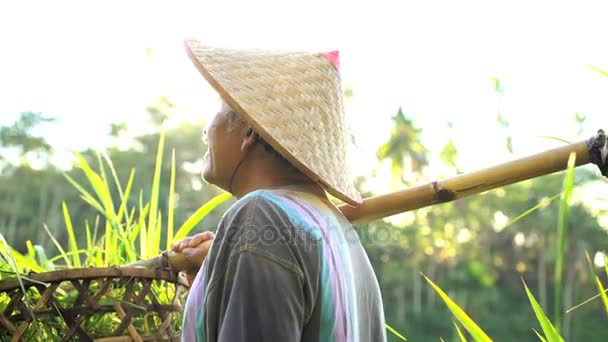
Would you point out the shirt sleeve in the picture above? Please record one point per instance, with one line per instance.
(263, 300)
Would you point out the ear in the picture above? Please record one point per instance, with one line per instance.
(249, 140)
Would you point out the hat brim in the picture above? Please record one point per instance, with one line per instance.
(259, 129)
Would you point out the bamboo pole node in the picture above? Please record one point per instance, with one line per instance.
(442, 194)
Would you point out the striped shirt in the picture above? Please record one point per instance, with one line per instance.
(285, 265)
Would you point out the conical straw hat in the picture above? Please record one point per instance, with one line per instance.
(293, 100)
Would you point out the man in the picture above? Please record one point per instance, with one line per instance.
(285, 264)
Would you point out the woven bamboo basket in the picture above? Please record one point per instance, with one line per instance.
(94, 304)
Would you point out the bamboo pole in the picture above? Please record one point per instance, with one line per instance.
(593, 150)
(466, 184)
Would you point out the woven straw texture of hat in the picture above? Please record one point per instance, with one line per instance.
(293, 100)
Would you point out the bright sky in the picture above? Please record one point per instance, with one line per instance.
(85, 63)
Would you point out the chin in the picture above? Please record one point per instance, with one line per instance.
(207, 176)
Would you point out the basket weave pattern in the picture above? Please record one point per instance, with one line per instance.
(94, 304)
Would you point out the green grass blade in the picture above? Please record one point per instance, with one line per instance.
(551, 333)
(93, 203)
(99, 186)
(125, 246)
(600, 286)
(68, 254)
(143, 236)
(534, 208)
(104, 178)
(540, 337)
(151, 235)
(62, 253)
(29, 263)
(156, 185)
(106, 157)
(603, 72)
(98, 252)
(602, 293)
(5, 252)
(43, 260)
(17, 261)
(125, 197)
(143, 230)
(90, 246)
(9, 257)
(200, 213)
(130, 217)
(73, 245)
(562, 234)
(135, 232)
(394, 332)
(85, 194)
(465, 320)
(31, 251)
(154, 237)
(110, 240)
(95, 230)
(89, 236)
(171, 208)
(554, 138)
(99, 257)
(587, 301)
(460, 334)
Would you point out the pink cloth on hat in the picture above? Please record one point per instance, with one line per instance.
(334, 57)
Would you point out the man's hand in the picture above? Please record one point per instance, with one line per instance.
(194, 249)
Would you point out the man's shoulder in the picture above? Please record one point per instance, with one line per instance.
(279, 211)
(273, 202)
(249, 205)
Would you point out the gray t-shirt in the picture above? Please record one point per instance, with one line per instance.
(285, 266)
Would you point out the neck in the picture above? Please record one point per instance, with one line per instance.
(261, 171)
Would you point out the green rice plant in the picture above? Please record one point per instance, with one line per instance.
(15, 264)
(476, 332)
(606, 269)
(541, 204)
(112, 240)
(562, 229)
(603, 72)
(551, 332)
(598, 282)
(562, 235)
(394, 332)
(602, 291)
(459, 332)
(9, 260)
(124, 225)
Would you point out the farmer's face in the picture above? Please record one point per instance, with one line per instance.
(224, 149)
